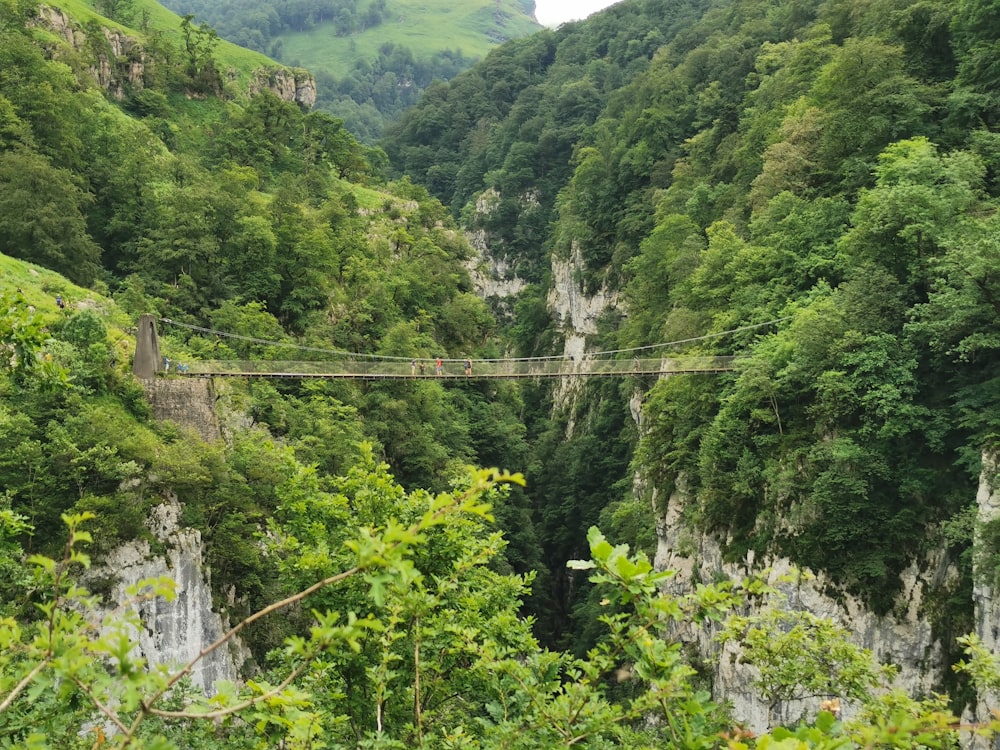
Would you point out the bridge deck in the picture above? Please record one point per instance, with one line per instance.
(547, 367)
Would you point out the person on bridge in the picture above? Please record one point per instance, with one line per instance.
(468, 367)
(439, 367)
(413, 367)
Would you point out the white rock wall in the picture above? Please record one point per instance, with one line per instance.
(491, 272)
(174, 632)
(903, 638)
(575, 310)
(984, 599)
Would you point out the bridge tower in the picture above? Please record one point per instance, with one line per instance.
(147, 360)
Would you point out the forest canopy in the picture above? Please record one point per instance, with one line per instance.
(708, 166)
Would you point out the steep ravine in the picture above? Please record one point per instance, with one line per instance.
(176, 631)
(904, 637)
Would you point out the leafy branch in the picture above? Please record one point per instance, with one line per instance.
(69, 650)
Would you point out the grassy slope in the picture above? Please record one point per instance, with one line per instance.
(473, 27)
(425, 26)
(39, 287)
(229, 56)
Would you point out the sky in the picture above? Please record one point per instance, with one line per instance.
(555, 12)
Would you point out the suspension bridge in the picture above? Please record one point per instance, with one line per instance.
(335, 364)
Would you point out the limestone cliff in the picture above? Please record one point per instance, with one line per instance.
(903, 637)
(493, 274)
(984, 595)
(174, 632)
(296, 85)
(576, 311)
(116, 62)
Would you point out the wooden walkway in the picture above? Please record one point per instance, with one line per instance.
(453, 369)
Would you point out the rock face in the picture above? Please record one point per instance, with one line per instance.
(987, 606)
(493, 275)
(118, 61)
(577, 314)
(297, 86)
(576, 311)
(904, 637)
(492, 278)
(174, 632)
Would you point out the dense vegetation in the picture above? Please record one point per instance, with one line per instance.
(251, 217)
(371, 59)
(412, 635)
(708, 161)
(711, 161)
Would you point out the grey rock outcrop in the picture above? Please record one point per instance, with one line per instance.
(903, 638)
(986, 605)
(117, 61)
(173, 633)
(576, 311)
(493, 274)
(296, 85)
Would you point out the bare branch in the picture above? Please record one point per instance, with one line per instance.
(220, 713)
(147, 705)
(102, 708)
(19, 688)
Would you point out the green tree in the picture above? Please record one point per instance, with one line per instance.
(41, 217)
(200, 41)
(799, 655)
(919, 199)
(122, 11)
(977, 37)
(414, 641)
(852, 137)
(14, 132)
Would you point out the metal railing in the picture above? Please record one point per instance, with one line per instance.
(375, 369)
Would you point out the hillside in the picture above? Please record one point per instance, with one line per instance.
(691, 561)
(702, 166)
(250, 214)
(371, 60)
(152, 24)
(426, 28)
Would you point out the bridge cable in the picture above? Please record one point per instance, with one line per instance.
(345, 353)
(693, 339)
